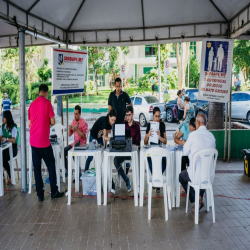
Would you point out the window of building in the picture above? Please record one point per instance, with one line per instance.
(149, 50)
(147, 70)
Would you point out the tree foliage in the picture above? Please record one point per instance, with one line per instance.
(45, 72)
(194, 72)
(165, 50)
(241, 58)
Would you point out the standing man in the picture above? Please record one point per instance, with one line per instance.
(118, 100)
(40, 117)
(6, 104)
(78, 127)
(136, 140)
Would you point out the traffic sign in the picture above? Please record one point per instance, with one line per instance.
(166, 67)
(122, 72)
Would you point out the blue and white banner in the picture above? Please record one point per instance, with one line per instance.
(216, 70)
(69, 71)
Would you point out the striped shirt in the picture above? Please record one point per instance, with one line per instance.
(6, 104)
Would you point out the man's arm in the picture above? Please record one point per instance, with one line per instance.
(177, 139)
(109, 108)
(29, 123)
(187, 145)
(81, 133)
(52, 121)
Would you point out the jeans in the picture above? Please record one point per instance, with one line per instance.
(6, 158)
(184, 179)
(184, 162)
(118, 165)
(47, 155)
(163, 164)
(90, 158)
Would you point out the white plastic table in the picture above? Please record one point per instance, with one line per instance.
(97, 154)
(7, 145)
(55, 147)
(143, 159)
(107, 164)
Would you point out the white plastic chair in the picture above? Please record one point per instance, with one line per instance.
(208, 158)
(58, 129)
(157, 179)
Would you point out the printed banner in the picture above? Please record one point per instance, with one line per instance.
(216, 70)
(69, 71)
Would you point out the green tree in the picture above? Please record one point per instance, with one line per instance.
(165, 50)
(241, 58)
(45, 72)
(194, 72)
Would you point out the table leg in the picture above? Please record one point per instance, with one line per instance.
(105, 173)
(77, 173)
(134, 162)
(62, 162)
(178, 170)
(98, 176)
(30, 169)
(12, 172)
(69, 176)
(142, 175)
(1, 174)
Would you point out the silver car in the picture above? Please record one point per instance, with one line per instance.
(241, 105)
(143, 108)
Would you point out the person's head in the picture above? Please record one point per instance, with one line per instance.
(153, 78)
(179, 93)
(183, 91)
(118, 85)
(156, 114)
(186, 100)
(192, 126)
(129, 114)
(201, 120)
(77, 113)
(5, 95)
(8, 119)
(112, 116)
(43, 90)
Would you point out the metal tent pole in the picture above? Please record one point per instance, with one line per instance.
(159, 72)
(229, 130)
(87, 73)
(67, 110)
(23, 110)
(225, 137)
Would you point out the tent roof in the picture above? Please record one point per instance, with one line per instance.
(119, 22)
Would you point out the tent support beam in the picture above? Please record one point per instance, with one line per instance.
(217, 8)
(242, 10)
(80, 7)
(32, 6)
(143, 22)
(23, 110)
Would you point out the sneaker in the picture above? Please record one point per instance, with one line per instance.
(128, 186)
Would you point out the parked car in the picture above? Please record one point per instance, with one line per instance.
(143, 108)
(193, 95)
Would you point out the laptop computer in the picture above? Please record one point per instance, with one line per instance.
(81, 146)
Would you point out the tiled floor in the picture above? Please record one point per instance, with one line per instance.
(27, 224)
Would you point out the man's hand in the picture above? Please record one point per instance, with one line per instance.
(3, 139)
(74, 128)
(70, 127)
(150, 132)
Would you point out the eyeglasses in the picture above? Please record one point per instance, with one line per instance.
(157, 116)
(128, 114)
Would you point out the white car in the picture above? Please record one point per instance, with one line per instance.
(143, 108)
(241, 105)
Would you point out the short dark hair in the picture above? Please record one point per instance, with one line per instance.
(112, 113)
(192, 122)
(179, 92)
(187, 99)
(77, 107)
(118, 79)
(156, 109)
(43, 87)
(129, 109)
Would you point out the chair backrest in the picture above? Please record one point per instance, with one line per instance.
(208, 158)
(58, 129)
(156, 154)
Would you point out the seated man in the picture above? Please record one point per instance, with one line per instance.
(78, 127)
(136, 139)
(197, 140)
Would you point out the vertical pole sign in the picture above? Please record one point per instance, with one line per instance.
(216, 70)
(166, 70)
(69, 71)
(122, 73)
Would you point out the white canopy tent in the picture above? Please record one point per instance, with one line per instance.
(114, 22)
(117, 22)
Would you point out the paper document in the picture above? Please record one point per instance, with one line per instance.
(154, 136)
(119, 129)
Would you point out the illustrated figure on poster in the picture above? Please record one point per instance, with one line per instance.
(215, 64)
(220, 56)
(210, 59)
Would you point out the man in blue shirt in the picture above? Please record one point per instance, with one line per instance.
(6, 104)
